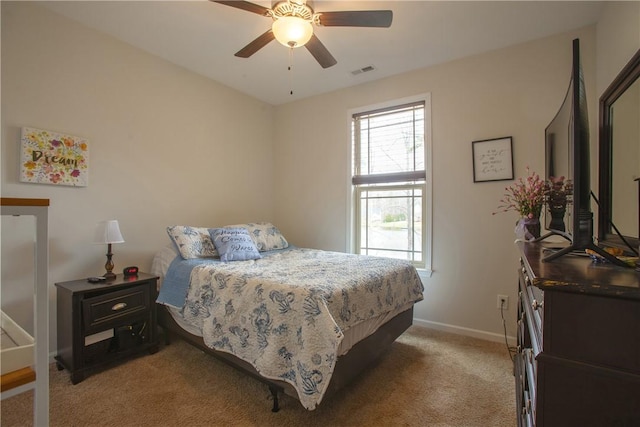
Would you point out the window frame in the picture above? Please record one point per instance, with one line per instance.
(353, 209)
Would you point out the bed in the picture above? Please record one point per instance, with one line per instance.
(303, 321)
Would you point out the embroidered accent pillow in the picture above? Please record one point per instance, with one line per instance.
(192, 242)
(265, 235)
(234, 244)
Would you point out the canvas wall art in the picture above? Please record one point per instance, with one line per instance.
(53, 158)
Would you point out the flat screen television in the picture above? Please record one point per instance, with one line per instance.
(567, 155)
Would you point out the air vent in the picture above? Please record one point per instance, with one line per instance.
(363, 70)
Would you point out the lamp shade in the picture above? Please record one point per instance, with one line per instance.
(108, 232)
(292, 31)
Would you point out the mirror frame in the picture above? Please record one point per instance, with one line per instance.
(606, 233)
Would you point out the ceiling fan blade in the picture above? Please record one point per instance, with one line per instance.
(322, 55)
(245, 5)
(356, 18)
(256, 45)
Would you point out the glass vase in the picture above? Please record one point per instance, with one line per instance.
(528, 228)
(531, 227)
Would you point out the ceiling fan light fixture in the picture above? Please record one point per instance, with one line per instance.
(292, 31)
(293, 22)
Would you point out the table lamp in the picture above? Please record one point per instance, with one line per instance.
(108, 232)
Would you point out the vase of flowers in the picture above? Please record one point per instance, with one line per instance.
(528, 228)
(557, 194)
(525, 196)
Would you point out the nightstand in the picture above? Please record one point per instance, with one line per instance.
(100, 323)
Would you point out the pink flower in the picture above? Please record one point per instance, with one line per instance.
(524, 196)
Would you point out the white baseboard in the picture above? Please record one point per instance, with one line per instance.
(475, 333)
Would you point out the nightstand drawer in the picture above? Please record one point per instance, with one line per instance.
(107, 310)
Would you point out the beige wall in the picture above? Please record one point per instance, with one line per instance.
(166, 147)
(618, 39)
(510, 92)
(189, 150)
(514, 91)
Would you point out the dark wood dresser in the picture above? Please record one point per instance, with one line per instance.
(578, 359)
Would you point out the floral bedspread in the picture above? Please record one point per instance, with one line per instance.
(286, 313)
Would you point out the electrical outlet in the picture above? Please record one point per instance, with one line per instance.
(503, 302)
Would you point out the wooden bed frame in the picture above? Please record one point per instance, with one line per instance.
(348, 366)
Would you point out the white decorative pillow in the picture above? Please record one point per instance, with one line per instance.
(192, 242)
(234, 244)
(265, 235)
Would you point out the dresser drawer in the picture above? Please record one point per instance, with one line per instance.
(583, 330)
(530, 373)
(531, 302)
(104, 311)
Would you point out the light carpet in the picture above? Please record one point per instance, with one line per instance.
(428, 378)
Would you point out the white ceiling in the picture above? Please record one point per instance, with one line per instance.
(203, 36)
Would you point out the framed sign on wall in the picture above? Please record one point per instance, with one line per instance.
(492, 159)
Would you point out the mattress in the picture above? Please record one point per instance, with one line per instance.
(353, 335)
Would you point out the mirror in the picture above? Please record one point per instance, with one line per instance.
(619, 163)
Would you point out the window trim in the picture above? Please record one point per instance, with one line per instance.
(425, 267)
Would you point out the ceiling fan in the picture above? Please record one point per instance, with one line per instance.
(293, 22)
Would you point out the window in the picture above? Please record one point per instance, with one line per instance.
(390, 182)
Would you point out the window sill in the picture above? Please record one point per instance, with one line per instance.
(424, 273)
